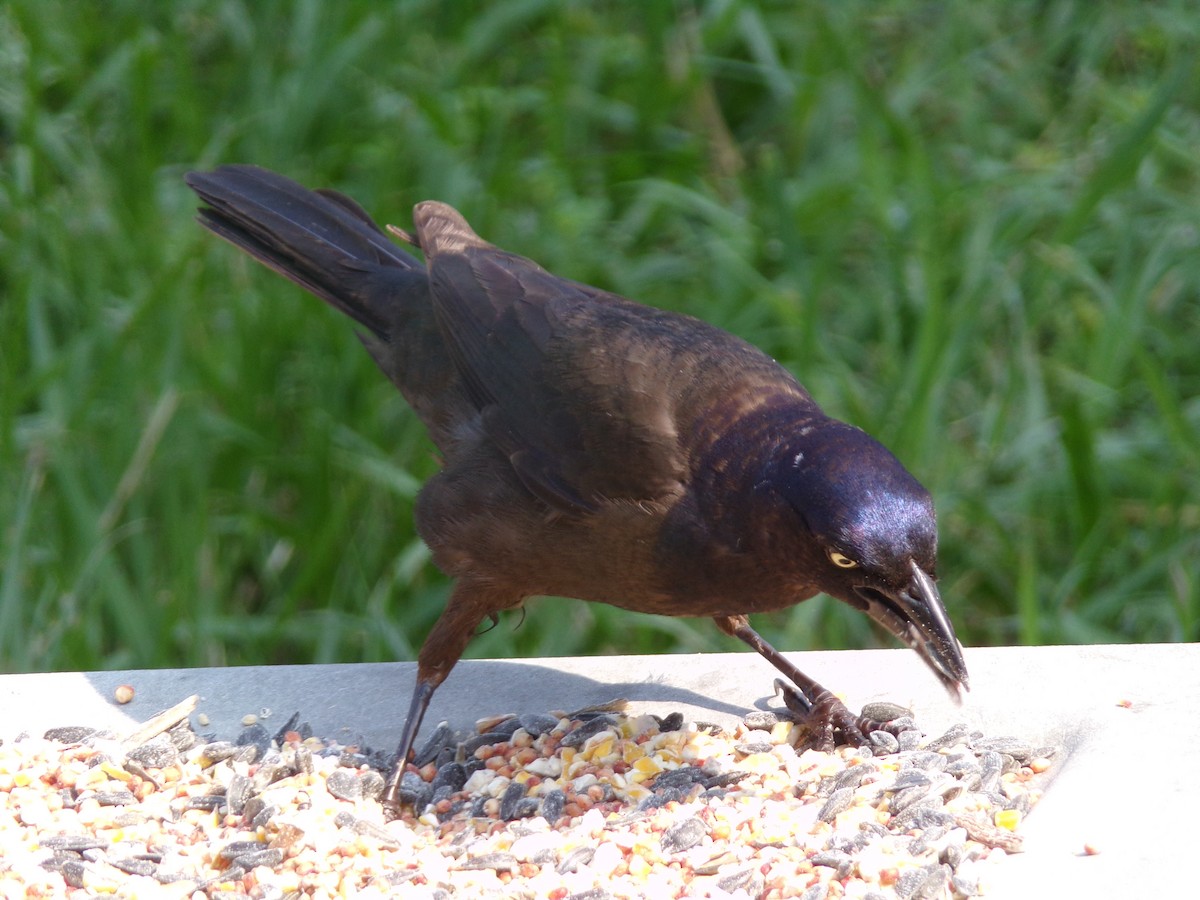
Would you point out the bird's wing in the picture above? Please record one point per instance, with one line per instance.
(581, 389)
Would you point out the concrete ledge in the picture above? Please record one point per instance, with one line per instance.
(1127, 781)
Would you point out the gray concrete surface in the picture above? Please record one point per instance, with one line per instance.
(1126, 782)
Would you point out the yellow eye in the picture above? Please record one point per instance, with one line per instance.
(841, 560)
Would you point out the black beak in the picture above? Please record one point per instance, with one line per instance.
(915, 614)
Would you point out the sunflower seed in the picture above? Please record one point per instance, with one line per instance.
(593, 726)
(1021, 751)
(74, 842)
(513, 794)
(69, 734)
(843, 863)
(157, 753)
(884, 713)
(883, 742)
(684, 777)
(683, 835)
(910, 778)
(537, 725)
(510, 726)
(497, 862)
(722, 779)
(452, 775)
(487, 739)
(852, 777)
(991, 767)
(257, 737)
(269, 857)
(760, 720)
(369, 829)
(441, 738)
(344, 784)
(135, 866)
(580, 856)
(753, 747)
(206, 801)
(216, 752)
(955, 734)
(838, 801)
(672, 722)
(237, 792)
(552, 805)
(738, 881)
(923, 759)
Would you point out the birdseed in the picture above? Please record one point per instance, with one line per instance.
(589, 804)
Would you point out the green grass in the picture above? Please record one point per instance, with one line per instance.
(972, 229)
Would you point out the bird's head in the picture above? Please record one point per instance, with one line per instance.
(869, 536)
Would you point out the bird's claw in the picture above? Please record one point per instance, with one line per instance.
(827, 720)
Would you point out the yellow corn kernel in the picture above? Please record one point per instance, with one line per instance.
(115, 772)
(600, 748)
(639, 867)
(636, 792)
(1008, 819)
(647, 765)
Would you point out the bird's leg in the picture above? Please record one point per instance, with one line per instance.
(422, 694)
(470, 603)
(820, 711)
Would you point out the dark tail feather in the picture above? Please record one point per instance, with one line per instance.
(321, 240)
(328, 245)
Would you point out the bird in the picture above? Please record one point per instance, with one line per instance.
(598, 448)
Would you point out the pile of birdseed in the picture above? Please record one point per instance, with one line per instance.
(590, 804)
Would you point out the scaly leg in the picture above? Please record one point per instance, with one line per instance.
(470, 603)
(821, 712)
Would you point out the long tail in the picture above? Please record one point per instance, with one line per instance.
(327, 244)
(322, 240)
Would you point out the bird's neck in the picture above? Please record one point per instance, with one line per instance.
(731, 537)
(733, 464)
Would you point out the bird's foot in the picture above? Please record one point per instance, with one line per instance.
(827, 720)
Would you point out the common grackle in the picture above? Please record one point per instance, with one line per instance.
(597, 448)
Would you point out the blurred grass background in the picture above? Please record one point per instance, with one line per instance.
(972, 229)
